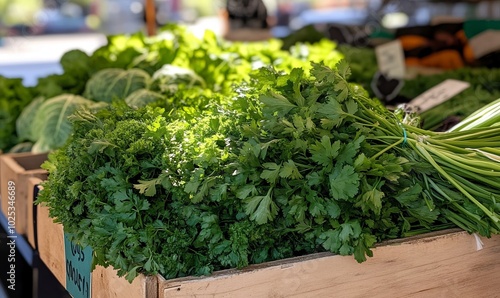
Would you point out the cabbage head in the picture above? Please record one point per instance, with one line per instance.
(142, 98)
(24, 123)
(170, 78)
(114, 83)
(51, 127)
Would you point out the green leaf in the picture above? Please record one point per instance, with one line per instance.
(296, 77)
(344, 183)
(99, 146)
(314, 178)
(131, 274)
(316, 208)
(365, 242)
(344, 69)
(333, 111)
(346, 232)
(141, 98)
(148, 188)
(114, 83)
(169, 77)
(255, 149)
(51, 124)
(298, 208)
(409, 195)
(350, 151)
(272, 172)
(324, 152)
(333, 210)
(147, 265)
(345, 250)
(362, 163)
(261, 208)
(373, 199)
(321, 72)
(344, 91)
(24, 123)
(424, 214)
(352, 106)
(192, 186)
(277, 103)
(289, 170)
(243, 192)
(331, 241)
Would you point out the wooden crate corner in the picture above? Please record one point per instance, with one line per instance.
(17, 168)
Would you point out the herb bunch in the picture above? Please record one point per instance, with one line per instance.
(290, 164)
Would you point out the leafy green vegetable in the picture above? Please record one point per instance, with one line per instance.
(257, 156)
(13, 98)
(167, 78)
(286, 156)
(77, 69)
(113, 83)
(24, 123)
(142, 97)
(50, 127)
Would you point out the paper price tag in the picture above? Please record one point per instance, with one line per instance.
(438, 94)
(78, 269)
(391, 59)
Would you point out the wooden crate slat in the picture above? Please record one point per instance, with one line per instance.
(446, 265)
(51, 244)
(19, 167)
(107, 284)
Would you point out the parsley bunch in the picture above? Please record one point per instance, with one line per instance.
(289, 164)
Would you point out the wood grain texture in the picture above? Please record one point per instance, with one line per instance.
(32, 183)
(51, 244)
(107, 284)
(19, 167)
(8, 172)
(439, 265)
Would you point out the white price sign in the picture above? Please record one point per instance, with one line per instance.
(391, 59)
(438, 94)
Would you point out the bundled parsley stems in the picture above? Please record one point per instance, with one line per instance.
(285, 162)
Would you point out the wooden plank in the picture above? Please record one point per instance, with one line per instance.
(107, 284)
(7, 173)
(32, 183)
(18, 168)
(437, 265)
(51, 244)
(150, 17)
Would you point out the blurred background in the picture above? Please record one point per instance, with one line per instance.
(35, 33)
(38, 17)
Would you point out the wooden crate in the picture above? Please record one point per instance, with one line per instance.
(18, 168)
(445, 264)
(105, 281)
